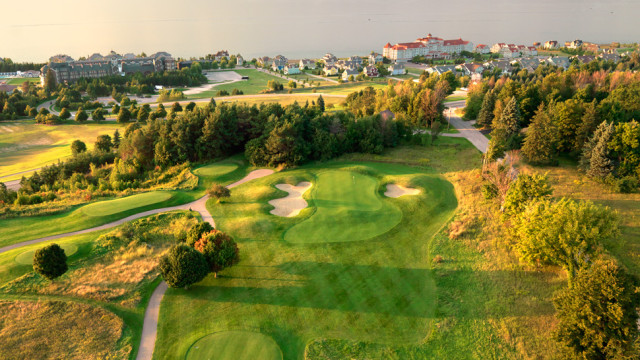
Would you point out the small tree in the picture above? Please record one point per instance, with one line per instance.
(321, 103)
(218, 191)
(183, 266)
(98, 114)
(525, 189)
(81, 115)
(212, 104)
(64, 114)
(124, 115)
(190, 106)
(103, 143)
(540, 143)
(505, 132)
(219, 249)
(176, 107)
(116, 139)
(78, 147)
(197, 231)
(50, 261)
(597, 313)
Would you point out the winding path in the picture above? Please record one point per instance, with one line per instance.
(150, 325)
(465, 128)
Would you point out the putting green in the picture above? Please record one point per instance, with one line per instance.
(111, 207)
(213, 170)
(26, 258)
(348, 208)
(235, 345)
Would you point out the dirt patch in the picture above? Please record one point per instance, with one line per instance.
(395, 190)
(292, 204)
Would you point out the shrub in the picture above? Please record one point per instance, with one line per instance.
(219, 249)
(489, 191)
(183, 266)
(195, 233)
(78, 147)
(218, 191)
(50, 261)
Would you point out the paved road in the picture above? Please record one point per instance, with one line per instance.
(466, 128)
(324, 78)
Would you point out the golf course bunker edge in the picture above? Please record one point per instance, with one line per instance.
(293, 203)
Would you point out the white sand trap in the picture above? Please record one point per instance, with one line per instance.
(394, 191)
(215, 78)
(292, 204)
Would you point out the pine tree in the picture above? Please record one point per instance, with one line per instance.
(595, 154)
(485, 117)
(116, 139)
(212, 104)
(587, 126)
(541, 139)
(50, 80)
(505, 135)
(321, 103)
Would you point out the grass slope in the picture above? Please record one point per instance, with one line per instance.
(235, 345)
(110, 207)
(348, 208)
(25, 145)
(376, 290)
(16, 230)
(256, 83)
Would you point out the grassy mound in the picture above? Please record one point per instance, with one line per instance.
(213, 170)
(348, 208)
(105, 208)
(26, 258)
(235, 345)
(59, 330)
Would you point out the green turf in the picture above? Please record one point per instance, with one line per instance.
(257, 82)
(235, 345)
(20, 81)
(110, 207)
(348, 208)
(26, 258)
(215, 169)
(376, 290)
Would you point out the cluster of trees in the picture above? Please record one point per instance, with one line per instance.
(208, 62)
(597, 311)
(419, 104)
(170, 95)
(206, 250)
(21, 103)
(562, 112)
(7, 65)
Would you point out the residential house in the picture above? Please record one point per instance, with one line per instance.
(470, 69)
(527, 64)
(551, 44)
(559, 61)
(375, 58)
(503, 65)
(610, 57)
(497, 47)
(536, 44)
(346, 64)
(329, 59)
(264, 61)
(441, 69)
(585, 59)
(532, 51)
(28, 74)
(482, 49)
(307, 64)
(575, 44)
(397, 69)
(292, 69)
(510, 52)
(371, 71)
(357, 60)
(222, 54)
(349, 73)
(330, 70)
(588, 46)
(278, 64)
(239, 60)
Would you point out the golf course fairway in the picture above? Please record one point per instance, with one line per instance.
(348, 208)
(235, 345)
(105, 208)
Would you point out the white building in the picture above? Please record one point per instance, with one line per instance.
(397, 69)
(430, 47)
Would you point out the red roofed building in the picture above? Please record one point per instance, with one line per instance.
(482, 49)
(430, 47)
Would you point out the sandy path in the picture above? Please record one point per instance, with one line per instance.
(292, 204)
(215, 79)
(395, 190)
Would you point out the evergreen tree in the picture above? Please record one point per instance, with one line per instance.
(64, 114)
(505, 134)
(485, 117)
(212, 104)
(540, 142)
(588, 125)
(116, 139)
(50, 261)
(123, 115)
(595, 154)
(321, 103)
(50, 80)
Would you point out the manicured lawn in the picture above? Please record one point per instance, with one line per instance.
(256, 83)
(26, 258)
(379, 290)
(16, 230)
(25, 145)
(235, 345)
(110, 207)
(20, 81)
(346, 88)
(348, 208)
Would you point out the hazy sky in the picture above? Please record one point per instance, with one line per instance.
(37, 29)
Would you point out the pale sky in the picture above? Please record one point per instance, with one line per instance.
(38, 29)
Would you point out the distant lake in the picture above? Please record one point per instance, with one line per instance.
(298, 28)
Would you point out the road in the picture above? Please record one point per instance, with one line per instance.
(465, 128)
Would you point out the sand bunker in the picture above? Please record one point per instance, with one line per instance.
(394, 191)
(292, 204)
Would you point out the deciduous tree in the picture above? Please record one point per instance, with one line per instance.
(183, 266)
